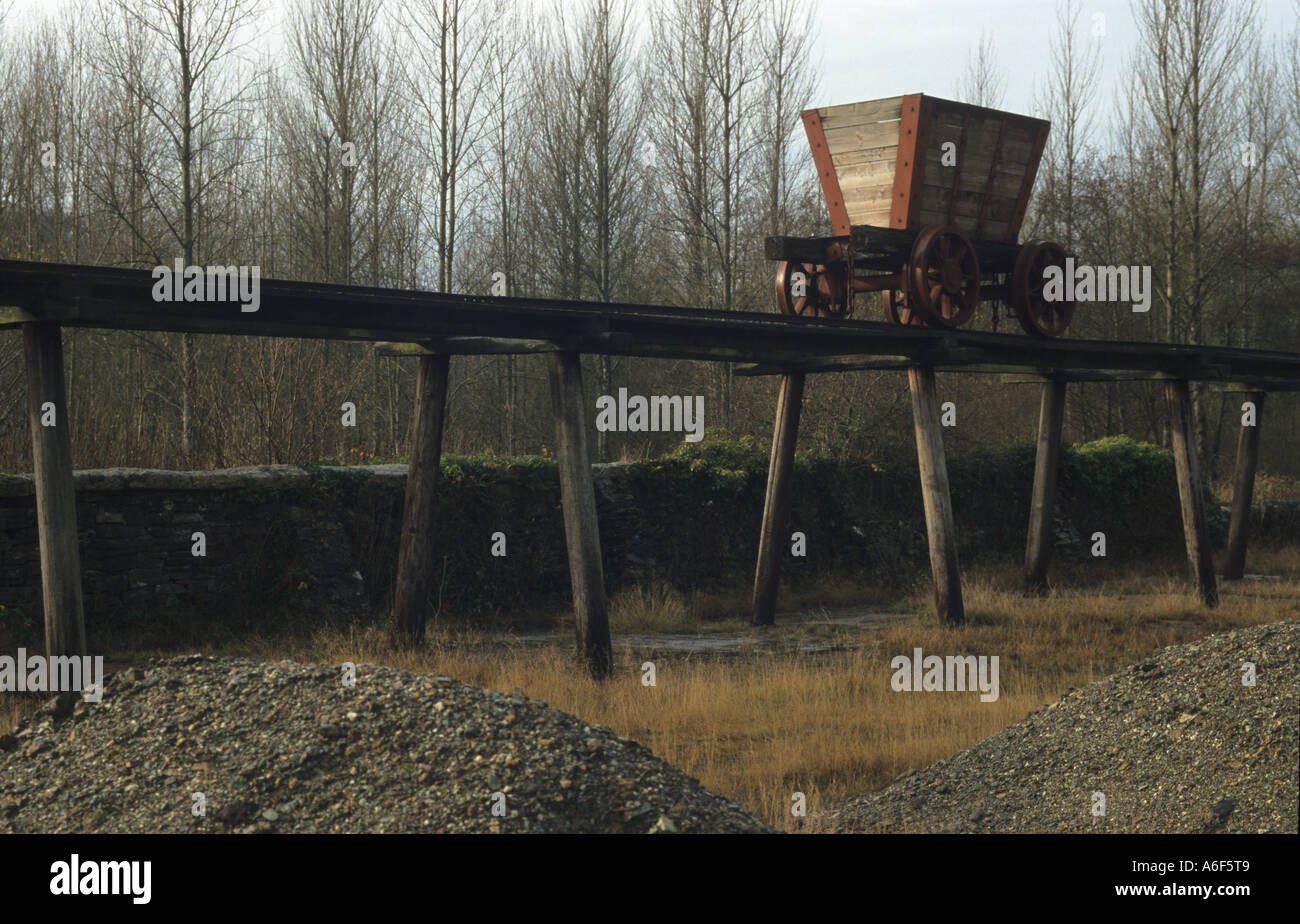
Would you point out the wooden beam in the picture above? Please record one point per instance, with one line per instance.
(56, 498)
(1083, 375)
(856, 363)
(949, 358)
(121, 299)
(15, 316)
(776, 505)
(465, 346)
(1247, 384)
(591, 341)
(415, 564)
(1191, 492)
(803, 249)
(943, 357)
(581, 530)
(1038, 545)
(936, 496)
(1243, 490)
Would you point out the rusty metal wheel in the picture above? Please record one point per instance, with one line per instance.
(943, 277)
(1037, 315)
(793, 285)
(810, 289)
(896, 309)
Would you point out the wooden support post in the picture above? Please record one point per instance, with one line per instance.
(776, 505)
(56, 498)
(936, 496)
(581, 531)
(1243, 490)
(1191, 492)
(1038, 545)
(415, 564)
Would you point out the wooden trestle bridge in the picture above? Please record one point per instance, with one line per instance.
(42, 298)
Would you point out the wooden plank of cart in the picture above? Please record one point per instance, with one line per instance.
(926, 199)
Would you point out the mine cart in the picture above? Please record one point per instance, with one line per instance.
(926, 199)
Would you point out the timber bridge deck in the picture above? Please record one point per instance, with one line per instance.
(41, 298)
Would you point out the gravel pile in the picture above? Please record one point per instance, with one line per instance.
(1176, 744)
(286, 747)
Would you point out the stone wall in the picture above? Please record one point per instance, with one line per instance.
(323, 540)
(137, 529)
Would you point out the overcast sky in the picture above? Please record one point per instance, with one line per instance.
(868, 49)
(879, 48)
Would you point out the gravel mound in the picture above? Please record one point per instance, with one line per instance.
(1176, 744)
(286, 747)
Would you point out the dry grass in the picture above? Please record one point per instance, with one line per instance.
(652, 609)
(760, 728)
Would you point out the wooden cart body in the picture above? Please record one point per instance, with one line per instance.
(915, 161)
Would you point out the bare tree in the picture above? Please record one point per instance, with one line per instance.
(332, 56)
(445, 81)
(615, 101)
(683, 139)
(708, 57)
(557, 156)
(1072, 86)
(1188, 71)
(506, 48)
(1291, 96)
(732, 67)
(982, 83)
(786, 88)
(191, 102)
